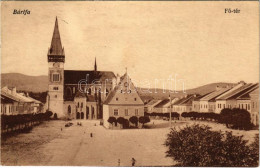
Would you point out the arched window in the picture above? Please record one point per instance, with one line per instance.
(69, 109)
(81, 104)
(89, 91)
(107, 92)
(68, 92)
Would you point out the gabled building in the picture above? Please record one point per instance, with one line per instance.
(64, 85)
(165, 105)
(149, 107)
(123, 101)
(196, 102)
(208, 102)
(184, 104)
(229, 100)
(13, 103)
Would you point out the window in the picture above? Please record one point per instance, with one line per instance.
(136, 112)
(219, 105)
(81, 104)
(55, 77)
(248, 106)
(116, 112)
(135, 99)
(126, 112)
(116, 99)
(55, 96)
(253, 104)
(78, 104)
(55, 88)
(223, 105)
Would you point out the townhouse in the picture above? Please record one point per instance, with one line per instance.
(229, 100)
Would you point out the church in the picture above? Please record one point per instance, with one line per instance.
(75, 94)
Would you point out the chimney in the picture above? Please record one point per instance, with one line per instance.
(242, 83)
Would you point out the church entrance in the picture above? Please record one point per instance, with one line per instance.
(87, 112)
(82, 115)
(78, 115)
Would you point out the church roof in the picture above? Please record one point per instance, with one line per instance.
(56, 47)
(73, 76)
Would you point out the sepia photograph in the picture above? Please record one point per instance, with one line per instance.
(130, 83)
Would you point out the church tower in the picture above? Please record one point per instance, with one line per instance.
(56, 60)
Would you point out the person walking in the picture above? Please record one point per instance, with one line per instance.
(118, 162)
(133, 161)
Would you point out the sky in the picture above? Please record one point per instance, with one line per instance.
(195, 43)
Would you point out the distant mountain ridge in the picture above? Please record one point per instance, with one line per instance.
(25, 82)
(40, 84)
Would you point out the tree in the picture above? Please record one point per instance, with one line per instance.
(143, 120)
(134, 120)
(254, 152)
(226, 116)
(121, 121)
(198, 145)
(184, 114)
(111, 120)
(236, 118)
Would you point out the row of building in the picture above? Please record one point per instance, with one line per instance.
(13, 103)
(242, 95)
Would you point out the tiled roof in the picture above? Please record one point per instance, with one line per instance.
(234, 92)
(111, 95)
(16, 96)
(215, 94)
(152, 102)
(73, 76)
(197, 98)
(162, 103)
(188, 100)
(245, 93)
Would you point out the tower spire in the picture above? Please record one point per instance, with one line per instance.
(95, 66)
(56, 47)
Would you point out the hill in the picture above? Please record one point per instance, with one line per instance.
(40, 84)
(163, 94)
(25, 82)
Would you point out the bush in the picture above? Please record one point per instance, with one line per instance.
(144, 120)
(184, 114)
(134, 120)
(120, 120)
(198, 145)
(111, 120)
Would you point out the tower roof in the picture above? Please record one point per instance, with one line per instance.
(56, 47)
